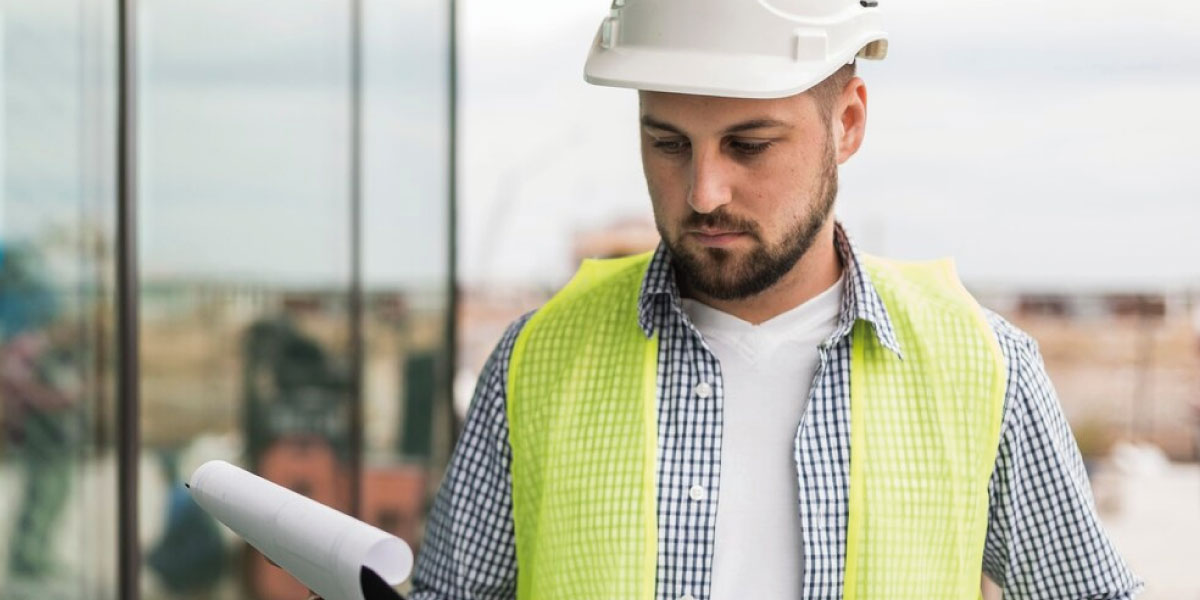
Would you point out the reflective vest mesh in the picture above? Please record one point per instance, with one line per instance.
(582, 429)
(924, 434)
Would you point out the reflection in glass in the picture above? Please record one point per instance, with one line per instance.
(405, 261)
(292, 390)
(246, 249)
(57, 465)
(245, 266)
(40, 368)
(246, 280)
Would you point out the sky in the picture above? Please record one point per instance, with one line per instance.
(1043, 145)
(243, 135)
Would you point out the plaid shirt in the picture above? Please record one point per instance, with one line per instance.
(1044, 539)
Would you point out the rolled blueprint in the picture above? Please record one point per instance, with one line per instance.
(335, 555)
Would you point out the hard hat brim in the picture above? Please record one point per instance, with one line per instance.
(710, 74)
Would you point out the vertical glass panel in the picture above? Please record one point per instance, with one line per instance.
(405, 259)
(246, 272)
(57, 457)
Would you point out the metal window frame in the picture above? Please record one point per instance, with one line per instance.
(452, 291)
(357, 336)
(128, 288)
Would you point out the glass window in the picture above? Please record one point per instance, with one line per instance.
(250, 260)
(248, 269)
(407, 415)
(57, 465)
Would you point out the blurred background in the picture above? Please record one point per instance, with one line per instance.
(316, 299)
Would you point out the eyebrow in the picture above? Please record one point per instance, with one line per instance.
(649, 121)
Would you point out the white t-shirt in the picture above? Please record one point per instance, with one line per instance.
(767, 371)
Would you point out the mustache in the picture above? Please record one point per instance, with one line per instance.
(720, 219)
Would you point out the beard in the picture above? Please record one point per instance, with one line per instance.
(725, 275)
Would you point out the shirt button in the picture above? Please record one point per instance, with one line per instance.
(687, 597)
(703, 390)
(697, 493)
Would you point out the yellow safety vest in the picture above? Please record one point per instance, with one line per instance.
(583, 428)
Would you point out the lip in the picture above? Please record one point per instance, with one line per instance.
(718, 239)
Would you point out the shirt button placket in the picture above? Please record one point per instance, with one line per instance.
(703, 390)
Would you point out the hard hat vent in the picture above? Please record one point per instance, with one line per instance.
(876, 50)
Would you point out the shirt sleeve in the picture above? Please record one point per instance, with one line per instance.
(469, 549)
(1044, 539)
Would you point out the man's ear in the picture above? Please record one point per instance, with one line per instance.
(850, 119)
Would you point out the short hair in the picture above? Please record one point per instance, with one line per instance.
(830, 89)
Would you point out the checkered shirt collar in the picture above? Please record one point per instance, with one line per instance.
(860, 300)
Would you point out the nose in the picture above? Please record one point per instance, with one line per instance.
(710, 185)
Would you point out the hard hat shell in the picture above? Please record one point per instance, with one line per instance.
(734, 48)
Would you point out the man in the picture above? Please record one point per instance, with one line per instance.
(39, 401)
(756, 410)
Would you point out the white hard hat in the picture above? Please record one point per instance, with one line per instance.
(735, 48)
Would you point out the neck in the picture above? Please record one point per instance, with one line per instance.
(814, 273)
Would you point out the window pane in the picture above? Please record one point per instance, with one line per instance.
(57, 457)
(247, 268)
(405, 259)
(246, 272)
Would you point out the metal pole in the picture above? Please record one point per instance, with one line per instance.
(356, 284)
(452, 221)
(128, 399)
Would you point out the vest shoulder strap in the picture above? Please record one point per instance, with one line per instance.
(925, 430)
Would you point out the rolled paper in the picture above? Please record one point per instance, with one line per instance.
(333, 554)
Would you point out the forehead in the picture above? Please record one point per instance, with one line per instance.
(712, 113)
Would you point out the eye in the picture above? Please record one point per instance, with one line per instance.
(671, 146)
(749, 148)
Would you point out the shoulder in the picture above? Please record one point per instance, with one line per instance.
(1015, 342)
(491, 387)
(624, 274)
(1029, 391)
(497, 364)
